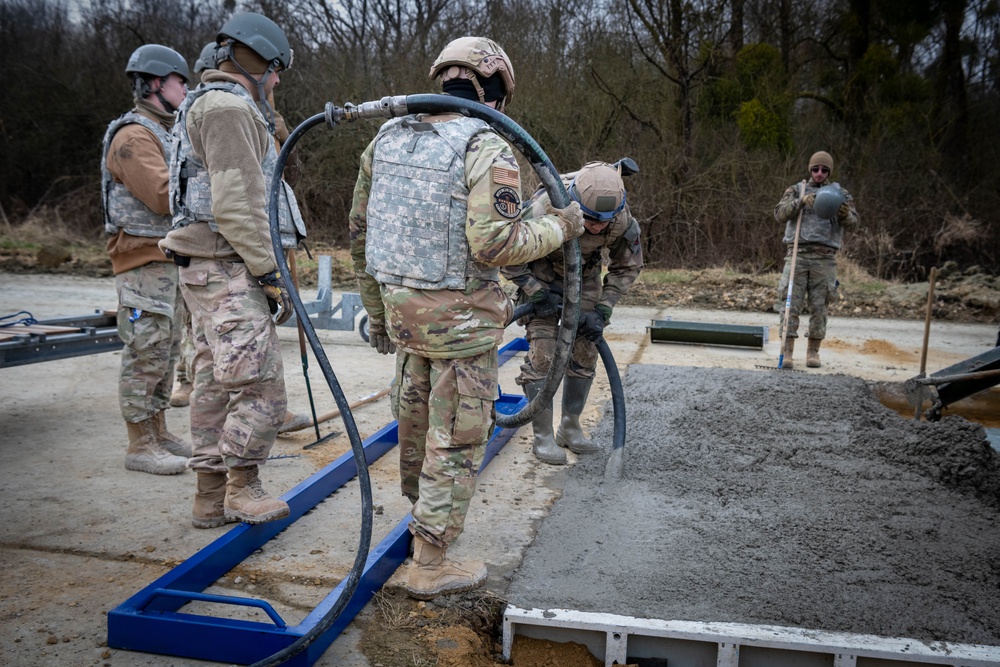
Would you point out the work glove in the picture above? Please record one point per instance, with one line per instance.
(809, 199)
(844, 210)
(547, 303)
(278, 300)
(378, 338)
(570, 219)
(591, 326)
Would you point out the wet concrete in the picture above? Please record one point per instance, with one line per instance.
(778, 498)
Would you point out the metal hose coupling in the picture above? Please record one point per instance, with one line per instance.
(387, 107)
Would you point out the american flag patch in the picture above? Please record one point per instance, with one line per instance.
(504, 176)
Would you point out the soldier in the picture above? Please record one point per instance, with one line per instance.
(599, 190)
(183, 381)
(134, 191)
(221, 171)
(816, 264)
(437, 208)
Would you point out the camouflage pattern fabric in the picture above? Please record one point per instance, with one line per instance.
(184, 363)
(815, 282)
(813, 229)
(238, 402)
(146, 298)
(445, 411)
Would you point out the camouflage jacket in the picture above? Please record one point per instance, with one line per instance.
(456, 323)
(621, 238)
(814, 230)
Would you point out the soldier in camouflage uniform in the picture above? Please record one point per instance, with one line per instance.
(134, 192)
(437, 208)
(221, 172)
(599, 190)
(816, 264)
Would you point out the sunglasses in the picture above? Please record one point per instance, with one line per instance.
(820, 170)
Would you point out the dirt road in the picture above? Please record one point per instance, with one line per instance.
(81, 533)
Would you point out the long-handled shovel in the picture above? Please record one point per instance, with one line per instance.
(791, 280)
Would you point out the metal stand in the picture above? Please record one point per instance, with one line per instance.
(323, 312)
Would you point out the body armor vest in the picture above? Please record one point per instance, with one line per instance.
(815, 229)
(417, 206)
(191, 185)
(122, 210)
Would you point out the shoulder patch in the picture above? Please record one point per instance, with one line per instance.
(506, 202)
(505, 176)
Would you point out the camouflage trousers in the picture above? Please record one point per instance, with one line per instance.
(815, 283)
(185, 358)
(146, 299)
(445, 411)
(542, 334)
(238, 402)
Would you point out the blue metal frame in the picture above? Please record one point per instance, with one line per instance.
(149, 621)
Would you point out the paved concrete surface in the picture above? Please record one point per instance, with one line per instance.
(81, 534)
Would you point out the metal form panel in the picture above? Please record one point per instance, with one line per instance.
(621, 640)
(93, 334)
(950, 392)
(736, 335)
(152, 620)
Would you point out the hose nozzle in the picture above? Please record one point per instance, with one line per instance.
(387, 107)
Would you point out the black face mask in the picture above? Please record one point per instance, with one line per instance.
(493, 89)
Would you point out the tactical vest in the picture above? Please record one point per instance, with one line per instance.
(417, 206)
(191, 185)
(815, 229)
(122, 209)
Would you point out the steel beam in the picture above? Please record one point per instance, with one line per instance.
(96, 333)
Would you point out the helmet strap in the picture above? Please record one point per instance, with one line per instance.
(226, 53)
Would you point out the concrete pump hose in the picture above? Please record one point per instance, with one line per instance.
(357, 448)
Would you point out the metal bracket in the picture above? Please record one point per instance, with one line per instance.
(322, 310)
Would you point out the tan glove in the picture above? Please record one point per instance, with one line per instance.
(844, 210)
(570, 219)
(809, 199)
(278, 299)
(378, 338)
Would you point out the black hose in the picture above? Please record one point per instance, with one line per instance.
(614, 379)
(364, 543)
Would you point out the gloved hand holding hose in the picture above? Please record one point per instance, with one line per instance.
(278, 300)
(570, 219)
(547, 303)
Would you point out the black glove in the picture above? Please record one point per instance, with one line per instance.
(547, 303)
(278, 300)
(378, 338)
(591, 326)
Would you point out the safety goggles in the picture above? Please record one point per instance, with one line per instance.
(820, 170)
(600, 216)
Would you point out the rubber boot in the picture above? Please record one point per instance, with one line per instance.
(171, 442)
(812, 353)
(209, 501)
(431, 574)
(181, 396)
(544, 445)
(570, 433)
(246, 499)
(145, 452)
(786, 362)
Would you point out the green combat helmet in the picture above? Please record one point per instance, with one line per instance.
(206, 59)
(153, 61)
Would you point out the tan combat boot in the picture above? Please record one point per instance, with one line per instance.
(171, 442)
(812, 353)
(431, 574)
(570, 433)
(181, 396)
(786, 361)
(209, 501)
(544, 445)
(146, 452)
(246, 500)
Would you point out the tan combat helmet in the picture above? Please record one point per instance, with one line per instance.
(599, 190)
(476, 59)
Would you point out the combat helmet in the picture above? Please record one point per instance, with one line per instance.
(599, 190)
(152, 61)
(206, 59)
(479, 57)
(260, 34)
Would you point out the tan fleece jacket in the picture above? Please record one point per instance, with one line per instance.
(231, 139)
